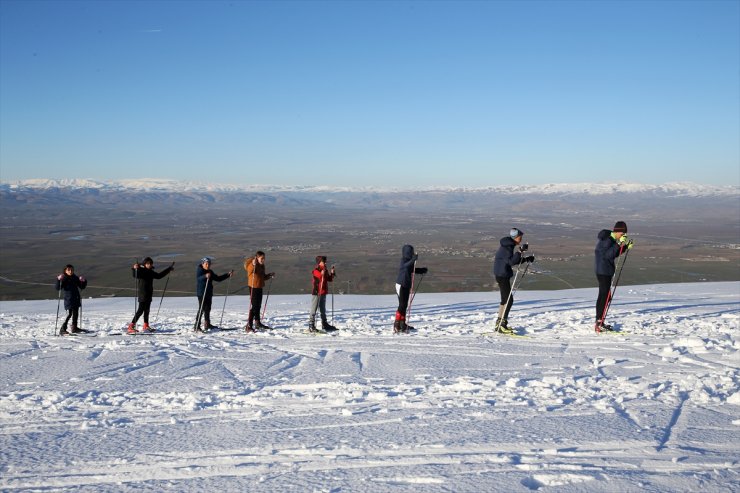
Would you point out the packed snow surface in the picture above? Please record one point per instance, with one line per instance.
(449, 408)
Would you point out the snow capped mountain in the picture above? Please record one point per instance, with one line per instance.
(676, 189)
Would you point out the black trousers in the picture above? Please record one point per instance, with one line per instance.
(605, 284)
(255, 300)
(504, 286)
(74, 314)
(204, 309)
(144, 307)
(403, 301)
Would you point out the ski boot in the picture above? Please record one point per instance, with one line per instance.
(76, 330)
(397, 327)
(146, 328)
(260, 326)
(312, 328)
(405, 328)
(602, 327)
(327, 327)
(502, 325)
(249, 329)
(131, 329)
(63, 331)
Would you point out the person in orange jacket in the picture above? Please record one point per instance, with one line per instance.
(256, 277)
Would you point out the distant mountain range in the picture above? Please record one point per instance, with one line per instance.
(676, 189)
(677, 201)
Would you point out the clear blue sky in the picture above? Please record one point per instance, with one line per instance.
(371, 93)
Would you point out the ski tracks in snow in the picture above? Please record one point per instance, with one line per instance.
(655, 407)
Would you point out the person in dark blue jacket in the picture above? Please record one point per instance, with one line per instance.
(507, 256)
(611, 245)
(403, 286)
(205, 278)
(71, 284)
(145, 275)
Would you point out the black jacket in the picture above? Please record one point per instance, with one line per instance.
(506, 257)
(408, 260)
(203, 287)
(607, 250)
(145, 281)
(71, 286)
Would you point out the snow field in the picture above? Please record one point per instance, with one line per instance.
(654, 408)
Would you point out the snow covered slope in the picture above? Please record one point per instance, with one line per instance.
(655, 408)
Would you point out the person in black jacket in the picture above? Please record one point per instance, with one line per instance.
(71, 284)
(506, 257)
(403, 286)
(145, 276)
(611, 245)
(204, 279)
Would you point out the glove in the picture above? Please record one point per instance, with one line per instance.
(630, 244)
(415, 257)
(172, 266)
(524, 248)
(623, 239)
(422, 270)
(60, 277)
(82, 278)
(270, 275)
(529, 259)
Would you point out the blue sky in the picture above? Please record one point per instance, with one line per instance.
(371, 93)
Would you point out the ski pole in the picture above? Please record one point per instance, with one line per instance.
(615, 283)
(136, 287)
(408, 308)
(161, 298)
(517, 284)
(228, 284)
(332, 303)
(251, 296)
(413, 295)
(59, 301)
(264, 308)
(202, 302)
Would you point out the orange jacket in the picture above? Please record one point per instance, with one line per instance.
(255, 273)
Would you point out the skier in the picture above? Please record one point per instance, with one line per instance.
(204, 279)
(145, 276)
(611, 245)
(506, 257)
(320, 280)
(71, 284)
(256, 277)
(403, 287)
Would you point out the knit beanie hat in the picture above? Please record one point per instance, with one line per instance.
(620, 227)
(516, 232)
